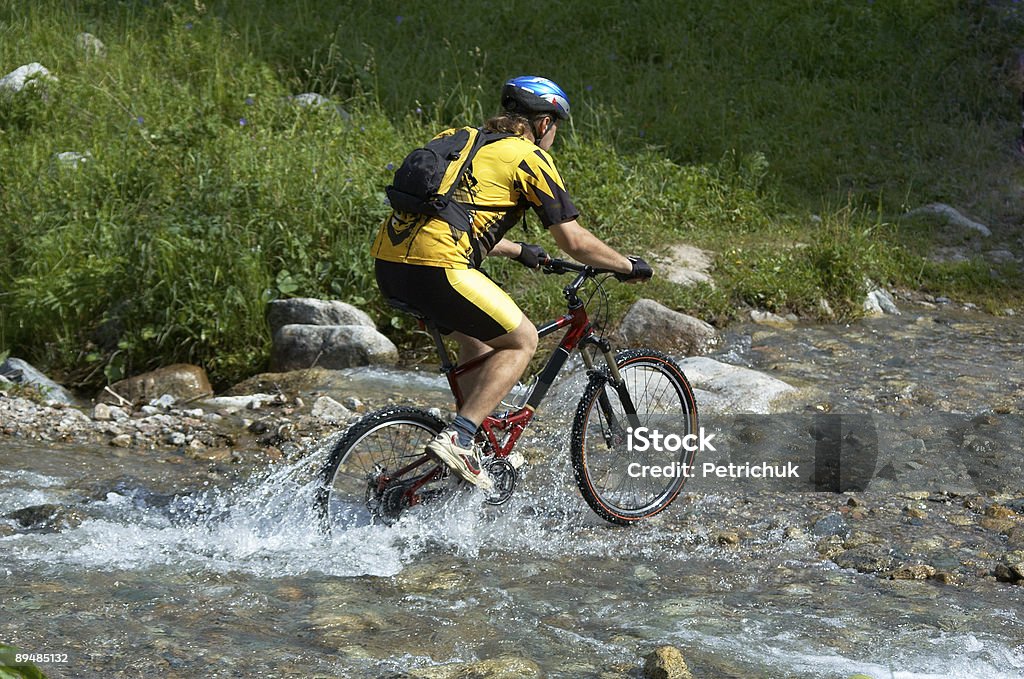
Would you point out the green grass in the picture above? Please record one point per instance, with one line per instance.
(788, 137)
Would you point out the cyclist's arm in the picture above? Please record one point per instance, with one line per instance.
(585, 247)
(505, 248)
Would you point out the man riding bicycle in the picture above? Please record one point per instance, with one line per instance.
(429, 265)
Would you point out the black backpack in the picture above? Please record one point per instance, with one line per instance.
(428, 176)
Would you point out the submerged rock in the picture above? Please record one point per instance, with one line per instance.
(47, 517)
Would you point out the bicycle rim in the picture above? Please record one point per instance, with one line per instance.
(603, 464)
(383, 442)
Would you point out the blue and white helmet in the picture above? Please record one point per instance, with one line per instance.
(529, 94)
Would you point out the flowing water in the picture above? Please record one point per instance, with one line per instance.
(154, 565)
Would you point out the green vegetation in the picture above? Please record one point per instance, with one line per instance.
(10, 668)
(788, 137)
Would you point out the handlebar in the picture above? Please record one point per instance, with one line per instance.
(552, 265)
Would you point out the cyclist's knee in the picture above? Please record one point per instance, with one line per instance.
(527, 335)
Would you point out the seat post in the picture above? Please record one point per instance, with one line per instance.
(447, 365)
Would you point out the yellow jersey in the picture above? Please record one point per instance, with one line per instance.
(506, 177)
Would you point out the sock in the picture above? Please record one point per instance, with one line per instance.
(466, 430)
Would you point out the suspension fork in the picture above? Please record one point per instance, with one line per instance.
(616, 381)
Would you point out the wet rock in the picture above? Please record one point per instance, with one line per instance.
(21, 372)
(326, 409)
(728, 538)
(121, 441)
(505, 667)
(308, 311)
(865, 559)
(182, 381)
(914, 572)
(47, 517)
(770, 319)
(831, 524)
(650, 324)
(330, 346)
(731, 389)
(1010, 572)
(666, 662)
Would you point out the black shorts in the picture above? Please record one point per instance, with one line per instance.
(456, 299)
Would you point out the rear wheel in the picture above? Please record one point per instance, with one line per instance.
(366, 478)
(613, 476)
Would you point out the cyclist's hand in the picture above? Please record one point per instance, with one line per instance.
(531, 256)
(642, 271)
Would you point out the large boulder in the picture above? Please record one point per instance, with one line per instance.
(308, 311)
(722, 388)
(299, 346)
(20, 372)
(650, 324)
(182, 381)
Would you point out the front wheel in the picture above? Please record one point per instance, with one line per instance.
(373, 468)
(622, 475)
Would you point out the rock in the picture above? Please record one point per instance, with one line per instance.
(181, 381)
(685, 265)
(90, 44)
(47, 517)
(330, 346)
(831, 524)
(330, 411)
(952, 216)
(731, 389)
(25, 76)
(865, 559)
(21, 372)
(308, 311)
(505, 667)
(914, 572)
(770, 319)
(232, 404)
(315, 101)
(728, 538)
(72, 159)
(666, 662)
(1013, 573)
(879, 302)
(121, 441)
(650, 324)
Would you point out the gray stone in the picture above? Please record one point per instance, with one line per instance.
(722, 388)
(47, 517)
(831, 524)
(685, 265)
(879, 302)
(309, 311)
(330, 346)
(21, 372)
(181, 381)
(650, 324)
(25, 76)
(952, 216)
(326, 409)
(90, 44)
(770, 319)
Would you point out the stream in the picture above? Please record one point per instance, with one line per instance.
(161, 565)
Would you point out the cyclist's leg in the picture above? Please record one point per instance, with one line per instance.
(484, 387)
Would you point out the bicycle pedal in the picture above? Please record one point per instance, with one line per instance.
(516, 459)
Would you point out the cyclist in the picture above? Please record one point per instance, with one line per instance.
(425, 263)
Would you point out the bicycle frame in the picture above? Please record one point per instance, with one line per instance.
(579, 333)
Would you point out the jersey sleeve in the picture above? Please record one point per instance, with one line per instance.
(541, 186)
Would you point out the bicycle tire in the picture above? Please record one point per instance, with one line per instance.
(391, 438)
(600, 456)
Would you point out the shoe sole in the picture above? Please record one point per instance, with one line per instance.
(481, 480)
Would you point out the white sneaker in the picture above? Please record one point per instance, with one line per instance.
(463, 461)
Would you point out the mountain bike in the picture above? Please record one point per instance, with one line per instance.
(379, 467)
